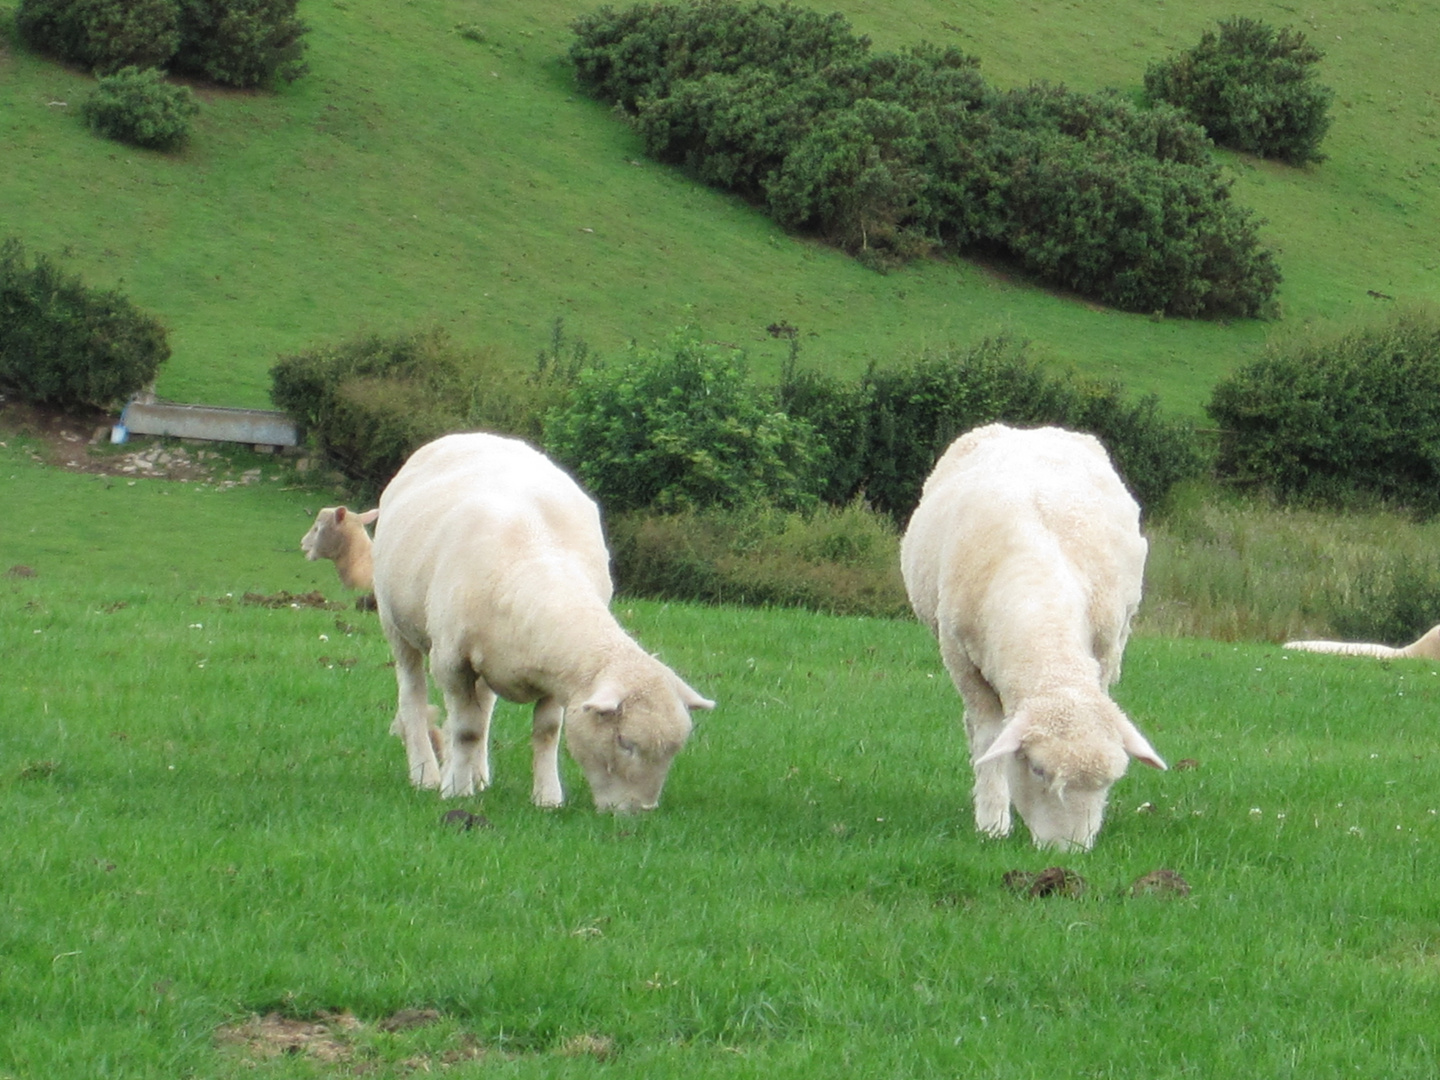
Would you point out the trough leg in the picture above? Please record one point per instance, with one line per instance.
(545, 742)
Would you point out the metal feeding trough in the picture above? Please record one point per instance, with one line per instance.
(260, 427)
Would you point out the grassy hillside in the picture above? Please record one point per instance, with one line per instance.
(207, 821)
(417, 175)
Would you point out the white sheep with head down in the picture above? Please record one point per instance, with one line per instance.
(1427, 647)
(339, 534)
(1025, 559)
(490, 561)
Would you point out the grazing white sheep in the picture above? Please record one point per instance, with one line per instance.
(490, 560)
(339, 534)
(1426, 648)
(1025, 559)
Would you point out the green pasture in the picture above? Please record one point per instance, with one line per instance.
(207, 822)
(420, 176)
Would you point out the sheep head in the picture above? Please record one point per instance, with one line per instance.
(1062, 753)
(625, 735)
(333, 531)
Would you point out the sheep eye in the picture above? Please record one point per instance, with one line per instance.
(1040, 773)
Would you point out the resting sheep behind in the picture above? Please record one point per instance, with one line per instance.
(490, 560)
(1025, 559)
(339, 534)
(1426, 648)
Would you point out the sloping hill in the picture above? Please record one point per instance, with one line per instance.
(418, 174)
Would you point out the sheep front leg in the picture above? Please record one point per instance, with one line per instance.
(545, 742)
(413, 715)
(984, 718)
(469, 703)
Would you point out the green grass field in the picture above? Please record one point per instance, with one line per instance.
(417, 176)
(207, 822)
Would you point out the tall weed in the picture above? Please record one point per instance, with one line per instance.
(1245, 569)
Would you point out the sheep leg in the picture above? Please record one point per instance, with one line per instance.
(413, 715)
(984, 718)
(469, 703)
(545, 742)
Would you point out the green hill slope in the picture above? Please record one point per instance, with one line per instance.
(417, 175)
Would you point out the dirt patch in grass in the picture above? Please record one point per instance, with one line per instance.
(283, 599)
(1052, 881)
(1160, 882)
(328, 1037)
(341, 1039)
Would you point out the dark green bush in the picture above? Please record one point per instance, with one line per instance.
(681, 426)
(65, 344)
(236, 42)
(1123, 205)
(370, 402)
(1252, 87)
(242, 42)
(1356, 416)
(884, 432)
(106, 35)
(841, 560)
(644, 52)
(891, 154)
(137, 106)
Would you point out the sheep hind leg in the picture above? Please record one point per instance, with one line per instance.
(412, 718)
(545, 743)
(469, 703)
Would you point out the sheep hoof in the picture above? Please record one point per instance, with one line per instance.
(997, 830)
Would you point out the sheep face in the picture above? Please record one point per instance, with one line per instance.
(335, 528)
(625, 742)
(1060, 789)
(1061, 755)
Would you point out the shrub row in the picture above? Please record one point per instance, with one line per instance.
(1340, 419)
(242, 43)
(885, 430)
(369, 402)
(65, 344)
(889, 154)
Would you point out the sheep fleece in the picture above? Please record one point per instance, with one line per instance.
(1025, 559)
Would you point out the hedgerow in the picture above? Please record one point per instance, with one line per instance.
(884, 431)
(889, 155)
(1341, 418)
(243, 43)
(369, 402)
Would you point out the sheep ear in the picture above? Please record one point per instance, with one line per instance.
(368, 517)
(340, 513)
(690, 697)
(1007, 742)
(605, 701)
(1137, 746)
